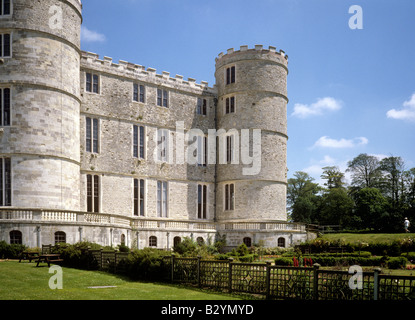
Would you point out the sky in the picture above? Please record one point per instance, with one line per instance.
(351, 81)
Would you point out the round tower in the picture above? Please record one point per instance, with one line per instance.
(252, 95)
(40, 72)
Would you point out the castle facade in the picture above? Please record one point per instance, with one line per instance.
(93, 150)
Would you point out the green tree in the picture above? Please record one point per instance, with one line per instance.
(336, 208)
(333, 176)
(302, 197)
(371, 207)
(364, 170)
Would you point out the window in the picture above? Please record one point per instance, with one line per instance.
(138, 93)
(60, 237)
(5, 45)
(15, 237)
(92, 193)
(139, 192)
(92, 135)
(247, 241)
(138, 141)
(230, 146)
(202, 151)
(201, 106)
(92, 82)
(230, 75)
(123, 239)
(4, 106)
(230, 105)
(162, 98)
(5, 182)
(176, 241)
(162, 198)
(229, 196)
(201, 201)
(162, 145)
(200, 241)
(152, 241)
(5, 7)
(281, 242)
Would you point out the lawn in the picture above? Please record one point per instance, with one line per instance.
(367, 237)
(25, 281)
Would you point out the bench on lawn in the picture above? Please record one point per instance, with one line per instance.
(27, 255)
(49, 258)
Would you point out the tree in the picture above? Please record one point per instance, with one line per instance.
(371, 208)
(392, 169)
(336, 207)
(334, 177)
(364, 171)
(302, 197)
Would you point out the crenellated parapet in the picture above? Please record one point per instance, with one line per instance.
(138, 72)
(258, 52)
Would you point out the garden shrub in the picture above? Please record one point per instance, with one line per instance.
(11, 251)
(410, 256)
(248, 258)
(146, 264)
(397, 262)
(283, 261)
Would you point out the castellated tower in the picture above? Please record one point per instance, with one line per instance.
(252, 94)
(39, 77)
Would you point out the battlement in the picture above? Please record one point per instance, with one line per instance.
(139, 72)
(257, 49)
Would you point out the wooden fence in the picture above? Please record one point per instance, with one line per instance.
(271, 282)
(278, 282)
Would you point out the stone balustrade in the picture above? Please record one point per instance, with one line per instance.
(140, 223)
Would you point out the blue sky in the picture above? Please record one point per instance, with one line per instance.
(351, 91)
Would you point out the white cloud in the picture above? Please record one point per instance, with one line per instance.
(326, 142)
(91, 36)
(406, 113)
(323, 105)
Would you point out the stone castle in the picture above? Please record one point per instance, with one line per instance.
(93, 150)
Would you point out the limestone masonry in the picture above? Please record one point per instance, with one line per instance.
(106, 152)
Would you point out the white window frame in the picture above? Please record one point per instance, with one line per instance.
(201, 106)
(140, 135)
(162, 199)
(3, 182)
(202, 213)
(163, 145)
(93, 192)
(98, 143)
(228, 197)
(2, 15)
(140, 213)
(139, 94)
(230, 75)
(92, 82)
(163, 92)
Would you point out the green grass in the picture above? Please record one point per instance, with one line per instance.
(367, 237)
(25, 281)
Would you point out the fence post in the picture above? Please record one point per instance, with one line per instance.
(316, 266)
(230, 275)
(198, 271)
(268, 280)
(172, 266)
(376, 283)
(100, 259)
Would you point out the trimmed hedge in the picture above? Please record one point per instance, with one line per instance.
(11, 251)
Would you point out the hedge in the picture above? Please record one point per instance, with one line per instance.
(11, 251)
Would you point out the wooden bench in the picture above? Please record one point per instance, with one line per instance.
(49, 258)
(26, 255)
